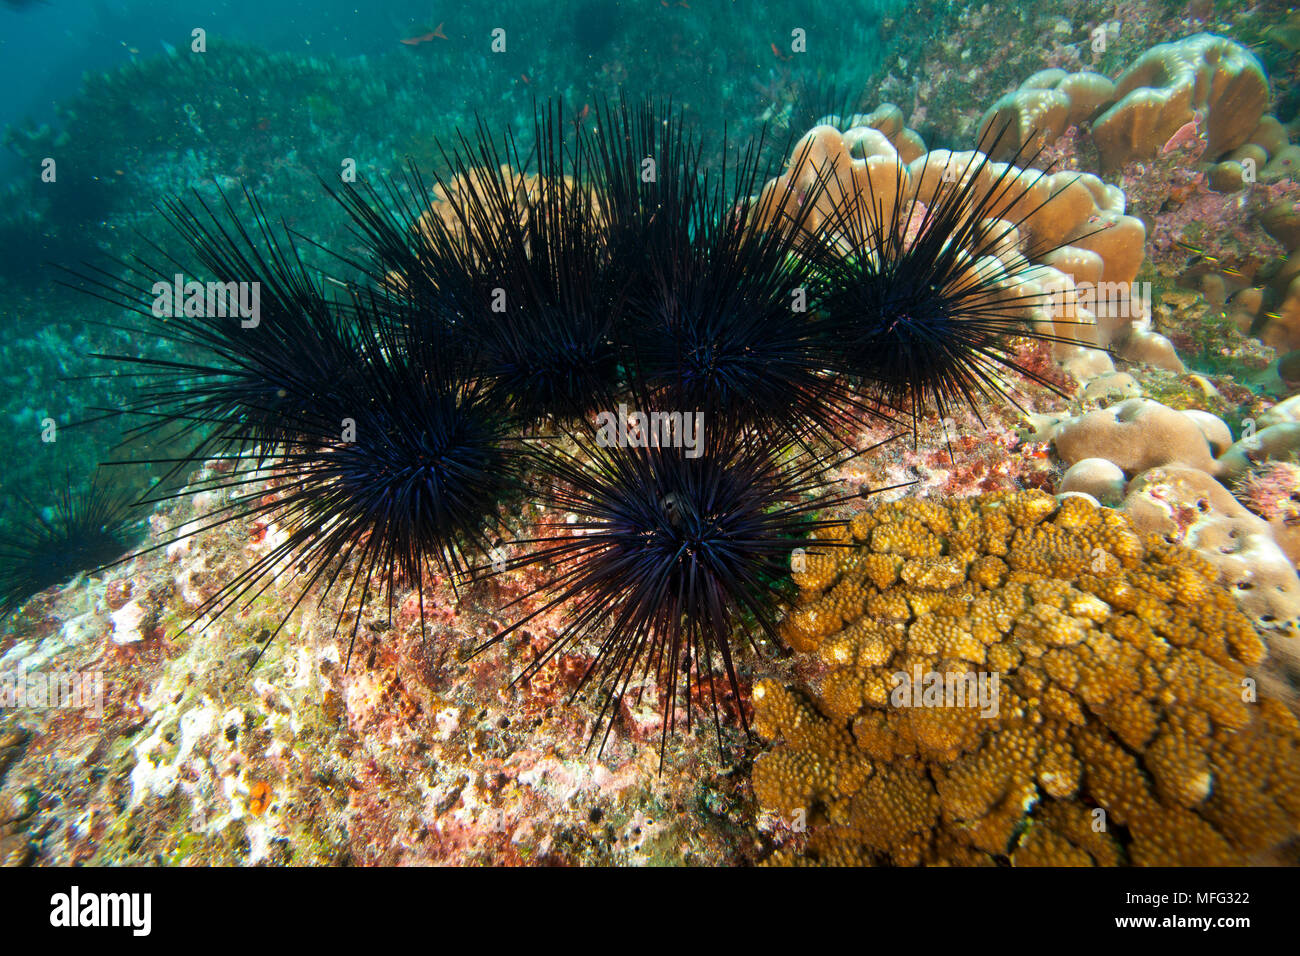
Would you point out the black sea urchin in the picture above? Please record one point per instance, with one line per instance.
(719, 313)
(234, 381)
(369, 442)
(922, 297)
(395, 474)
(650, 168)
(85, 529)
(672, 554)
(513, 247)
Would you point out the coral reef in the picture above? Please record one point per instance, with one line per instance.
(1185, 131)
(1208, 81)
(1171, 460)
(1205, 92)
(1135, 435)
(1188, 506)
(1275, 317)
(1272, 491)
(1123, 728)
(1182, 128)
(1070, 225)
(1249, 277)
(1146, 656)
(1043, 107)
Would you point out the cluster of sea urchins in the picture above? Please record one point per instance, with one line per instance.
(597, 322)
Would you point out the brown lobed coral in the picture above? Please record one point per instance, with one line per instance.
(1204, 92)
(1124, 728)
(1071, 226)
(1042, 108)
(1172, 84)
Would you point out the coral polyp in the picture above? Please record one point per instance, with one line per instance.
(1013, 679)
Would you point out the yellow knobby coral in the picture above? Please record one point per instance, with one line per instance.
(1120, 726)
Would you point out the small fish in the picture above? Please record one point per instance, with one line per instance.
(776, 52)
(434, 34)
(1185, 135)
(1198, 255)
(1286, 36)
(524, 77)
(1201, 257)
